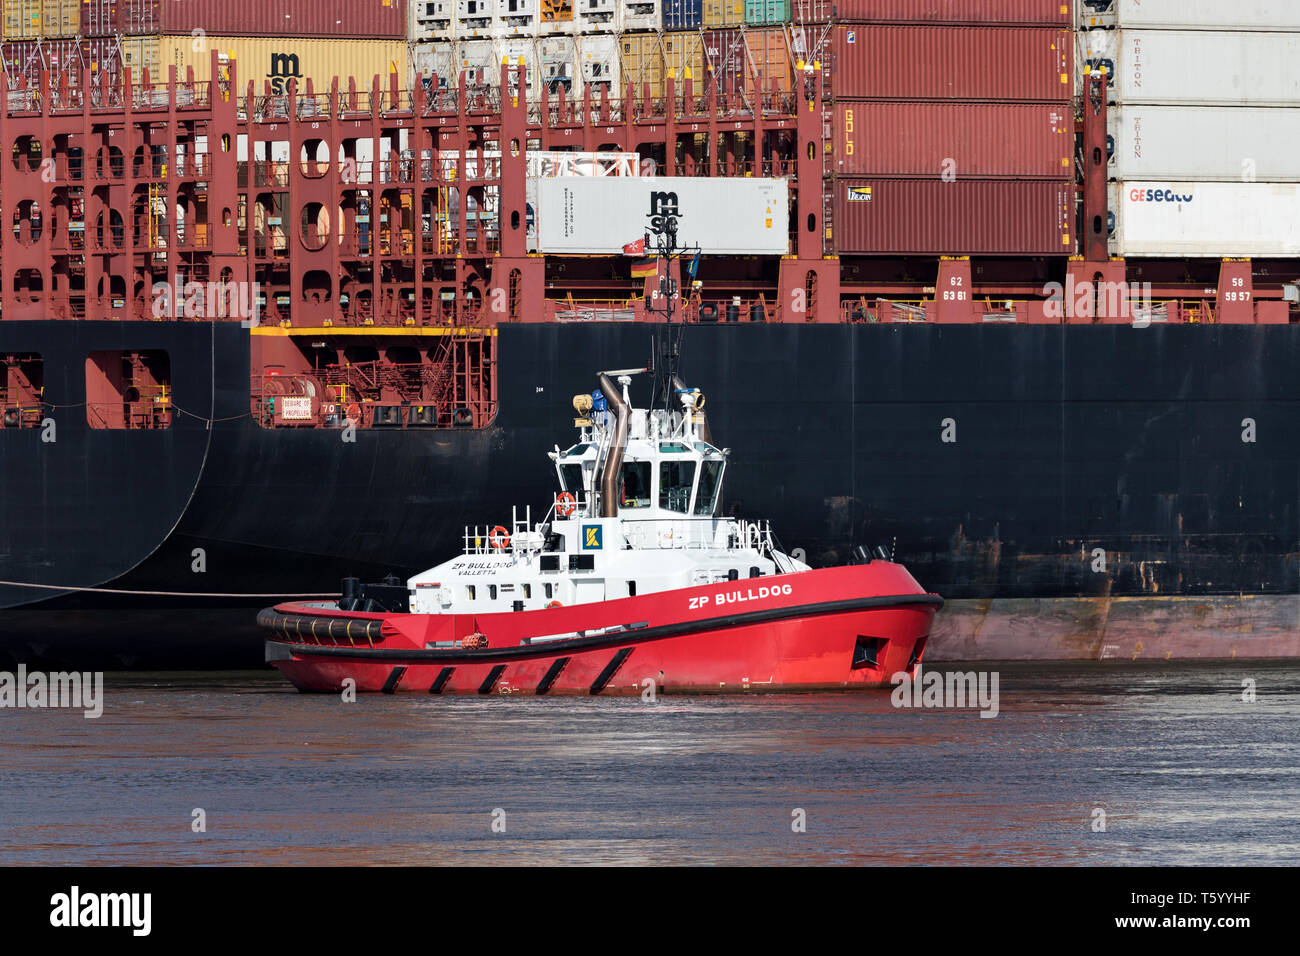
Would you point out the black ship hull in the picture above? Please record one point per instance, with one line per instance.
(1073, 491)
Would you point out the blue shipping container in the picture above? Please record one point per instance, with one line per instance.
(683, 14)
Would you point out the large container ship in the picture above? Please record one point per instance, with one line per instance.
(284, 302)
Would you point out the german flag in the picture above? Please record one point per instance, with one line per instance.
(643, 268)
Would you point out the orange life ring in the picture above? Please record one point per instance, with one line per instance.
(354, 413)
(551, 604)
(565, 504)
(499, 538)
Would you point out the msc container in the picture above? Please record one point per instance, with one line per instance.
(599, 63)
(273, 60)
(1197, 67)
(362, 19)
(947, 62)
(763, 12)
(1281, 15)
(958, 140)
(598, 216)
(723, 13)
(33, 19)
(1214, 143)
(964, 217)
(683, 14)
(973, 12)
(1206, 219)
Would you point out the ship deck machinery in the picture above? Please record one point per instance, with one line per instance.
(193, 460)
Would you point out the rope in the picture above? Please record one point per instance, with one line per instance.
(217, 594)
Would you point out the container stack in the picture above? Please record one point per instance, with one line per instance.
(1204, 117)
(605, 44)
(40, 36)
(953, 128)
(272, 41)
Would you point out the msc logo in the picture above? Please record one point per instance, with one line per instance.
(591, 537)
(284, 66)
(859, 194)
(664, 212)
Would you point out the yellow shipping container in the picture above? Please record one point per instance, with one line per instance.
(272, 59)
(684, 58)
(34, 19)
(641, 56)
(724, 13)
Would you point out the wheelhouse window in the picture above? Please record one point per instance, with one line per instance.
(571, 479)
(635, 487)
(676, 478)
(710, 479)
(470, 592)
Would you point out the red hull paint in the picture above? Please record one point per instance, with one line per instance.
(743, 638)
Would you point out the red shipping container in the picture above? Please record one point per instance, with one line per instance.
(976, 140)
(724, 57)
(978, 217)
(26, 60)
(363, 19)
(964, 63)
(974, 12)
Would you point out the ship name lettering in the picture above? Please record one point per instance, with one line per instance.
(749, 594)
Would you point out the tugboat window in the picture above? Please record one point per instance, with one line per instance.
(635, 492)
(571, 478)
(675, 481)
(469, 591)
(709, 476)
(550, 591)
(492, 592)
(528, 590)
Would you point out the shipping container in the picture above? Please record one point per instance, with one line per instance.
(947, 62)
(518, 17)
(957, 140)
(36, 19)
(557, 64)
(971, 12)
(26, 60)
(599, 216)
(725, 57)
(477, 59)
(1214, 143)
(1196, 67)
(1280, 15)
(474, 19)
(641, 57)
(640, 15)
(683, 14)
(768, 55)
(429, 20)
(599, 61)
(683, 59)
(594, 16)
(556, 16)
(1206, 219)
(811, 11)
(723, 13)
(434, 65)
(965, 217)
(361, 19)
(271, 60)
(763, 12)
(518, 51)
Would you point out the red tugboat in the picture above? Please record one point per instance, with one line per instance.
(631, 581)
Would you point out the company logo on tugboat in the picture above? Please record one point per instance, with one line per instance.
(591, 540)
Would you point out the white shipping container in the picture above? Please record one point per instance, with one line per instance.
(1282, 15)
(733, 216)
(1196, 67)
(599, 62)
(1225, 143)
(1212, 220)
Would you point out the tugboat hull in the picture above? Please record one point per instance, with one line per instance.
(834, 629)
